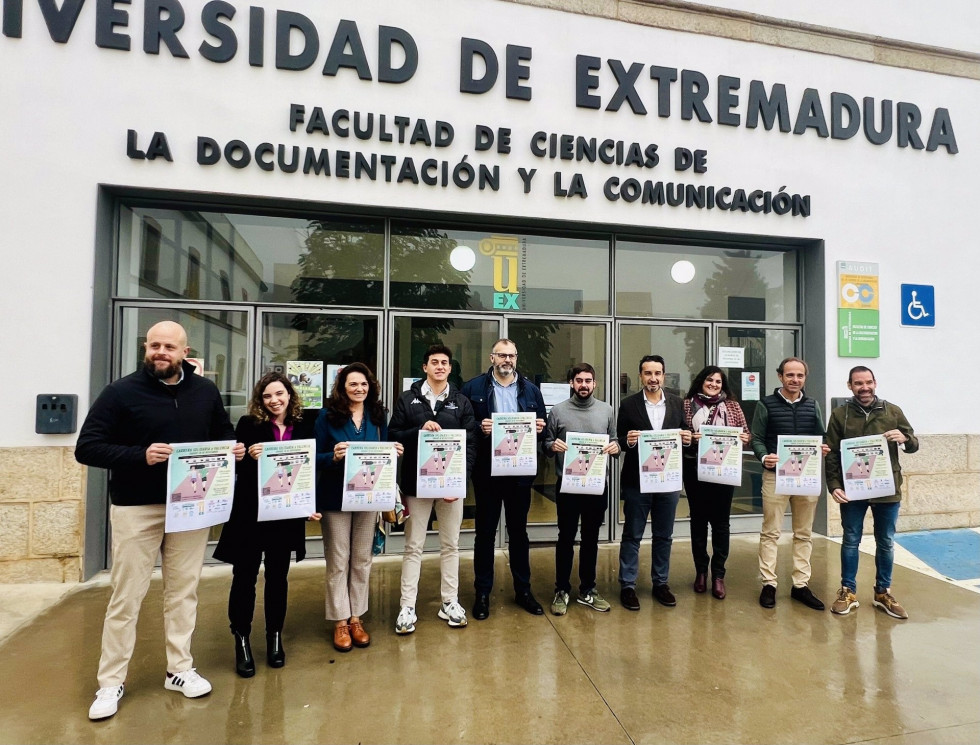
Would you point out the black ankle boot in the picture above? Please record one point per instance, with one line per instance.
(273, 649)
(244, 662)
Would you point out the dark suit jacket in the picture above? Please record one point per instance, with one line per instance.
(243, 534)
(633, 415)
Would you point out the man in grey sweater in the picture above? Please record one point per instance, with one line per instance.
(582, 413)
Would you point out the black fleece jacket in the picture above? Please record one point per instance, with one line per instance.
(134, 412)
(412, 410)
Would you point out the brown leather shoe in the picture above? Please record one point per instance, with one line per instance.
(701, 582)
(718, 587)
(358, 635)
(341, 638)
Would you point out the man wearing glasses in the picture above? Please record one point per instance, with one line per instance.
(501, 389)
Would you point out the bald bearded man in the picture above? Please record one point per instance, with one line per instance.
(129, 431)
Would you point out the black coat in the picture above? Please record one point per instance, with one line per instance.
(633, 415)
(138, 410)
(243, 534)
(412, 410)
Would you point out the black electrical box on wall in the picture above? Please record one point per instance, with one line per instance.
(57, 413)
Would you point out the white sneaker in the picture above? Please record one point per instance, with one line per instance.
(405, 623)
(453, 614)
(187, 682)
(106, 702)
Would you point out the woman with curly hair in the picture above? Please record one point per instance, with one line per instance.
(353, 413)
(275, 413)
(709, 401)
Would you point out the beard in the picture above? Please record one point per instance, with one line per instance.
(162, 374)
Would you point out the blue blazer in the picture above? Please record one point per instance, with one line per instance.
(479, 391)
(329, 473)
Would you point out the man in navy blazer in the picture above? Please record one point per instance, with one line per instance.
(501, 389)
(651, 408)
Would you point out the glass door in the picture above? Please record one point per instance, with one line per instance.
(218, 338)
(764, 349)
(684, 348)
(295, 343)
(547, 349)
(470, 339)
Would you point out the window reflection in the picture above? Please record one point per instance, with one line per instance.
(728, 284)
(217, 340)
(221, 256)
(488, 270)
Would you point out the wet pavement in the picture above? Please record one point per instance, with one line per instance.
(706, 671)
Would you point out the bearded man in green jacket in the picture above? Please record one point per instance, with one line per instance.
(866, 414)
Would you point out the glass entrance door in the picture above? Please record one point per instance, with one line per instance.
(547, 349)
(295, 343)
(219, 340)
(470, 339)
(764, 349)
(687, 349)
(684, 348)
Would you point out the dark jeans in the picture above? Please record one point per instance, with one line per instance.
(514, 495)
(885, 517)
(241, 599)
(592, 509)
(711, 504)
(636, 506)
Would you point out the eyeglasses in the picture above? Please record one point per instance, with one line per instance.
(505, 356)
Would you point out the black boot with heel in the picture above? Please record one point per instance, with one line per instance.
(244, 662)
(273, 649)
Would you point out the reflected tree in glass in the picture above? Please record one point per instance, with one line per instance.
(734, 273)
(534, 345)
(343, 265)
(427, 279)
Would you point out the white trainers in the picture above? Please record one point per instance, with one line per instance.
(405, 623)
(559, 606)
(106, 702)
(453, 614)
(187, 682)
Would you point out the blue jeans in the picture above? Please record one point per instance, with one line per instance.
(885, 516)
(636, 506)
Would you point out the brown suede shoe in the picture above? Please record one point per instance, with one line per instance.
(358, 635)
(341, 638)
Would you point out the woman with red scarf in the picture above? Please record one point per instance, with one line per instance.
(710, 402)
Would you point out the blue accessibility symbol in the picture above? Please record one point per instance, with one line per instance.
(918, 305)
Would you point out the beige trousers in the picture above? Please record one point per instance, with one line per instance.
(348, 538)
(773, 509)
(450, 517)
(137, 539)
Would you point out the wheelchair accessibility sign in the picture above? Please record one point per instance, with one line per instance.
(918, 305)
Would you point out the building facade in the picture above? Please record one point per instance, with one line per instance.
(298, 182)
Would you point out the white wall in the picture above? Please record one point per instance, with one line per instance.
(951, 24)
(67, 108)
